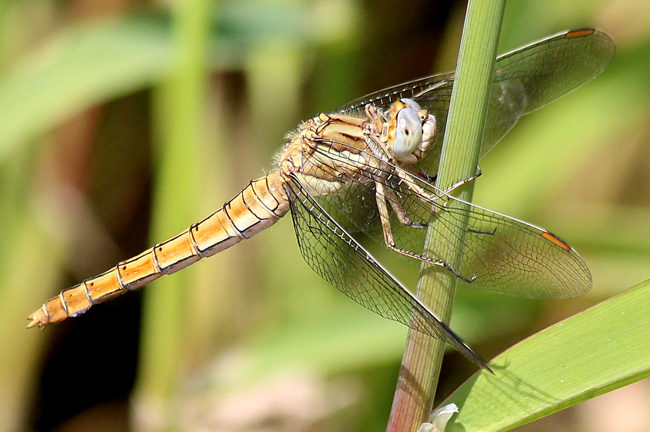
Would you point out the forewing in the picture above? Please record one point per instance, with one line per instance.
(338, 258)
(533, 76)
(524, 80)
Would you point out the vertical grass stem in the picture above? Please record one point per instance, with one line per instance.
(178, 105)
(422, 359)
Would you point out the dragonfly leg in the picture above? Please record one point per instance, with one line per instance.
(434, 196)
(464, 181)
(385, 193)
(419, 173)
(382, 194)
(383, 215)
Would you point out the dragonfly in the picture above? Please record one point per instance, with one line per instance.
(369, 167)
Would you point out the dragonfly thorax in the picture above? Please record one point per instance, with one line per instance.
(331, 150)
(327, 152)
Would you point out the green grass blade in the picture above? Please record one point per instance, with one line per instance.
(592, 353)
(84, 65)
(89, 63)
(178, 122)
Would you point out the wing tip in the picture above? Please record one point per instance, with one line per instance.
(477, 359)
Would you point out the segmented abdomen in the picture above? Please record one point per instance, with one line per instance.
(254, 209)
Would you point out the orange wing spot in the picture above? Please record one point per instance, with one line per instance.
(579, 33)
(556, 240)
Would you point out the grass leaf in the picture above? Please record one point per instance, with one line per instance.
(594, 352)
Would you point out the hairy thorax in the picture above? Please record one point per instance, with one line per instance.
(327, 152)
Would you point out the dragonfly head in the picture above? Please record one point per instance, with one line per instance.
(410, 131)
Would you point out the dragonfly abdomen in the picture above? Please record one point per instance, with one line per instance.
(258, 206)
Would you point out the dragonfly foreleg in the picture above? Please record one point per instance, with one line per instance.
(438, 194)
(462, 182)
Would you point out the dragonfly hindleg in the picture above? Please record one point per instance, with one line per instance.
(382, 195)
(386, 194)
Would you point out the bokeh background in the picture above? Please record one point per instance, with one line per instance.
(93, 170)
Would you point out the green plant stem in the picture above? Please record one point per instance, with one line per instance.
(29, 269)
(177, 109)
(422, 359)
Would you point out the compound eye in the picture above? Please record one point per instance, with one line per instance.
(408, 134)
(410, 102)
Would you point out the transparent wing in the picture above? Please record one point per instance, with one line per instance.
(503, 254)
(338, 258)
(524, 80)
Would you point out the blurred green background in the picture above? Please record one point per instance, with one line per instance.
(115, 133)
